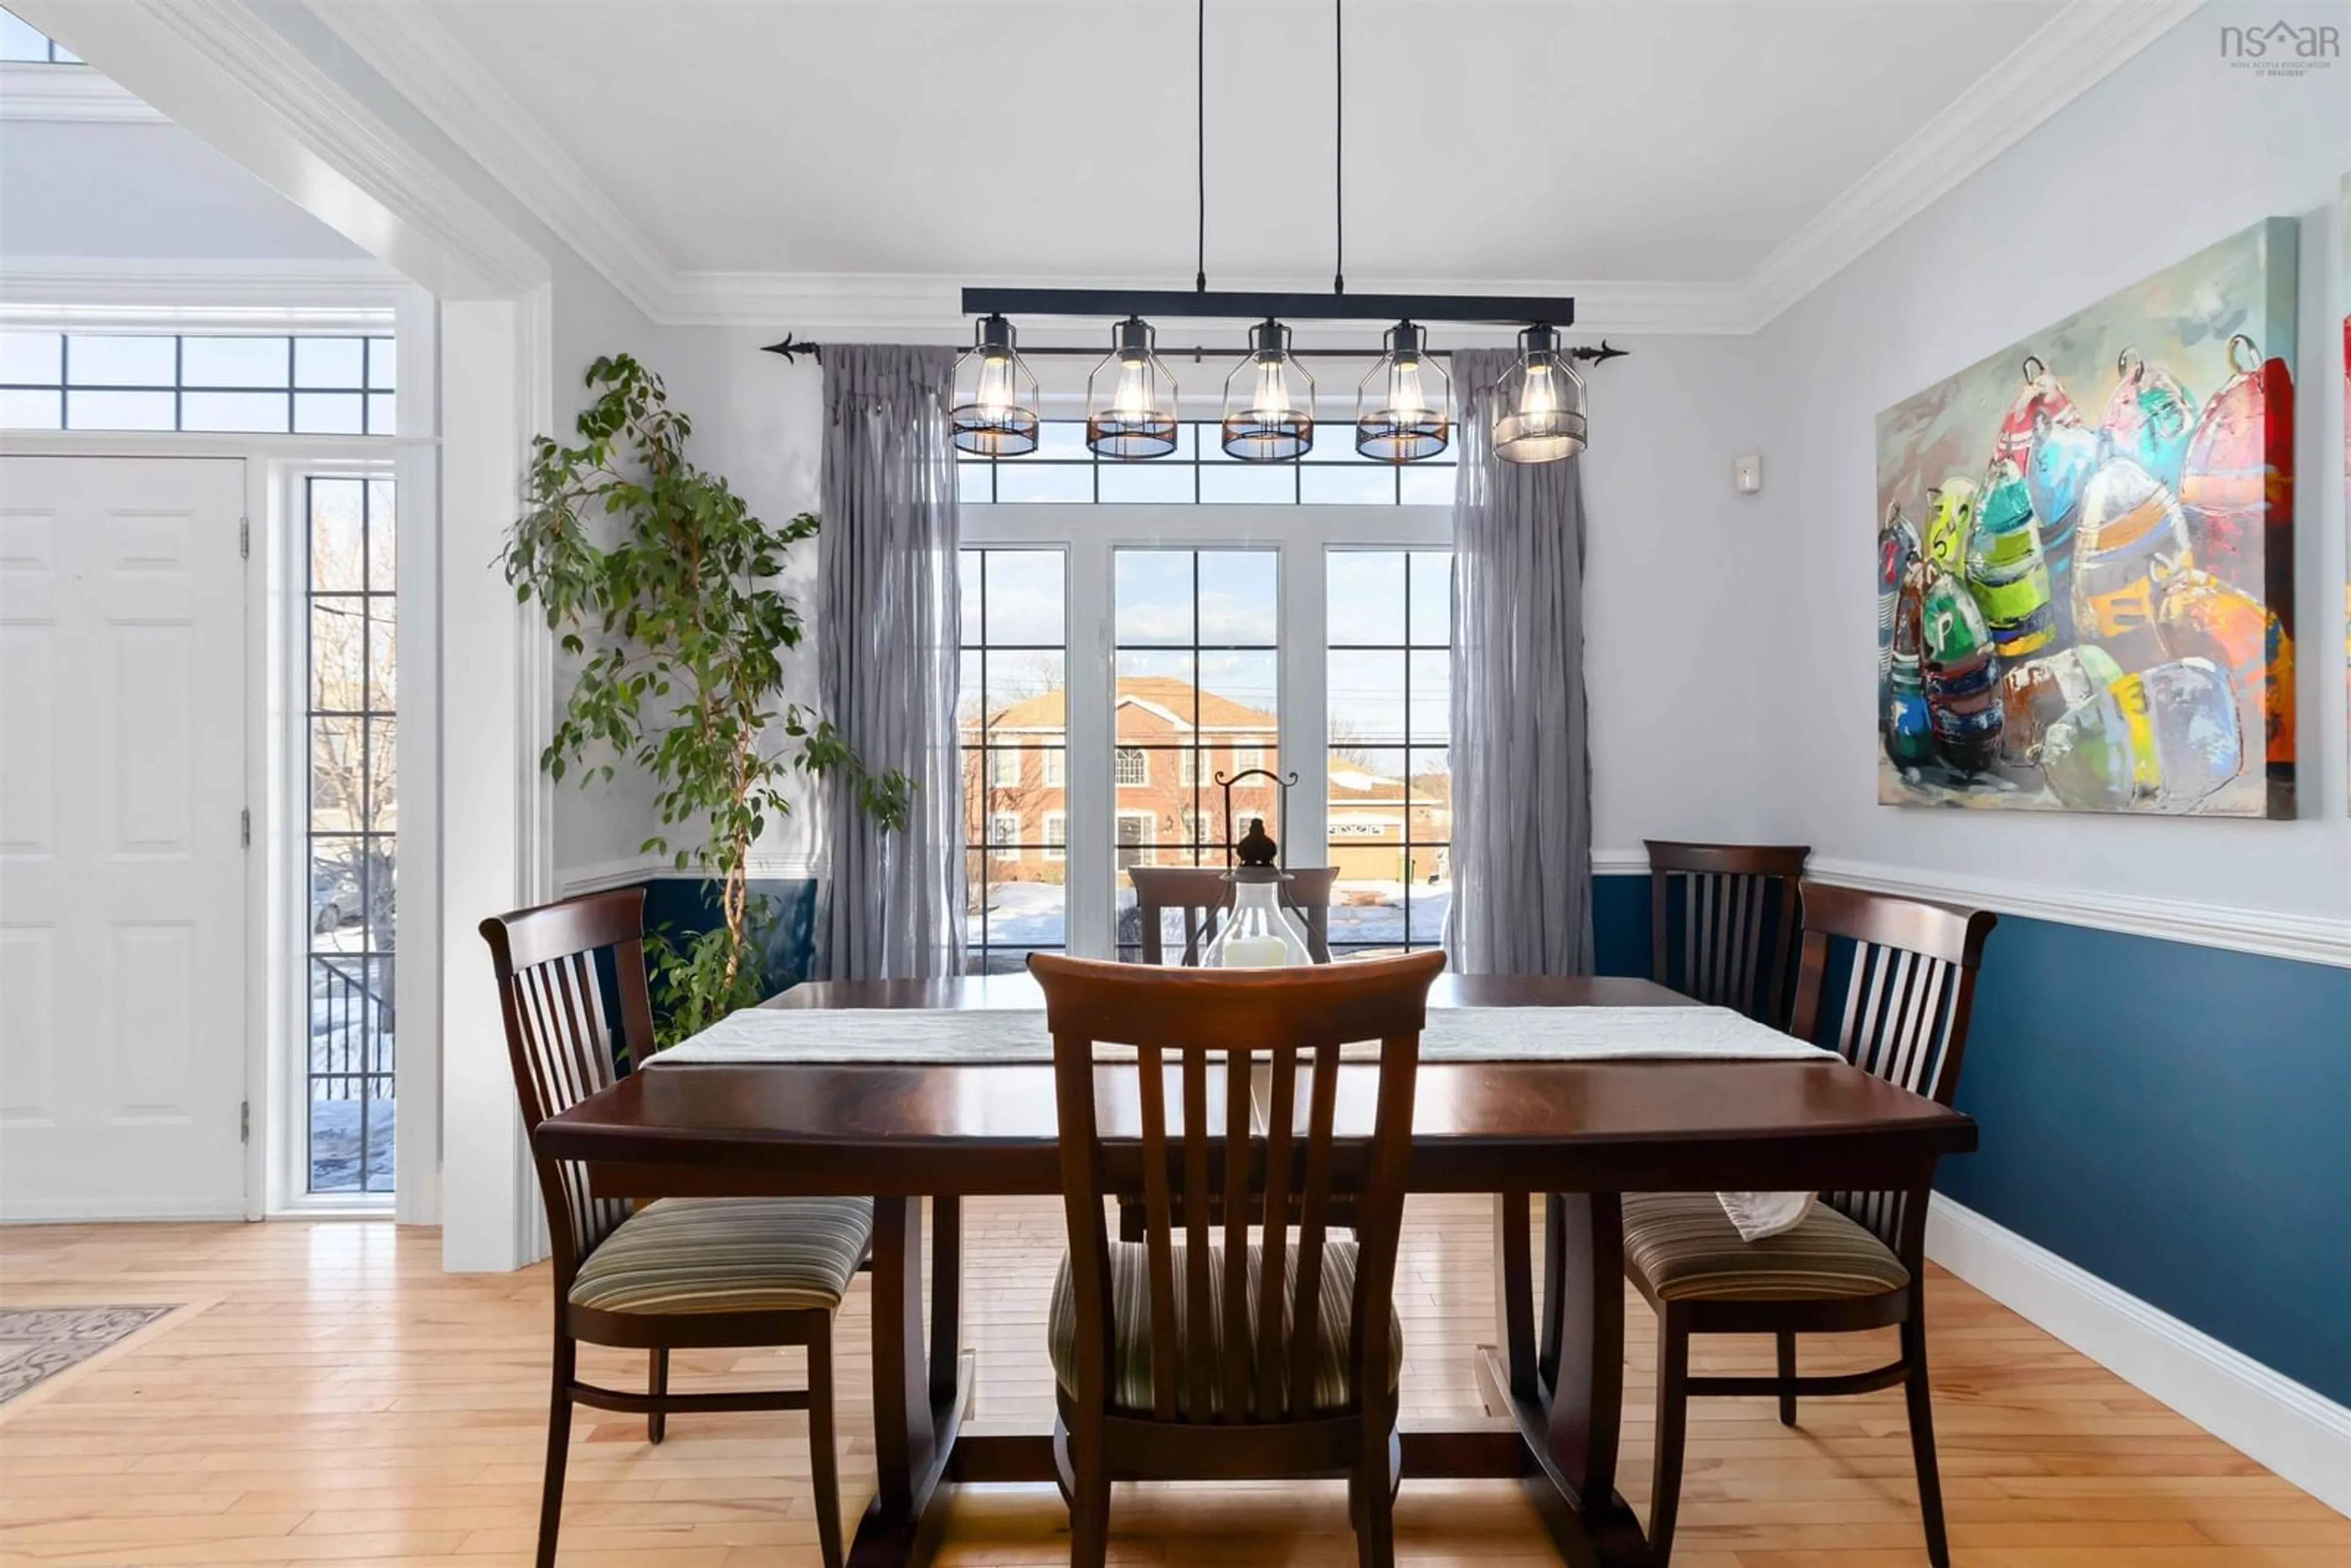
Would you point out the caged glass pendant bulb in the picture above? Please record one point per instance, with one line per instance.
(1540, 402)
(1403, 406)
(1268, 400)
(1130, 397)
(994, 408)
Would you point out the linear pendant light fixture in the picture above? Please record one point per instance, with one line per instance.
(1402, 407)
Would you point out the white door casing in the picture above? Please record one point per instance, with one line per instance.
(123, 929)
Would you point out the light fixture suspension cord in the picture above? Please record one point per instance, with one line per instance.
(1339, 147)
(1200, 124)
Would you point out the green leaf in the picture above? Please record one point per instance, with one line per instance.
(680, 606)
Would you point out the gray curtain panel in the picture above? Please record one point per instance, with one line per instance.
(890, 905)
(1521, 769)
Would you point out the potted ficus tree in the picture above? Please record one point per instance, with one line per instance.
(682, 632)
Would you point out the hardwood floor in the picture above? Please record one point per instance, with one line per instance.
(334, 1398)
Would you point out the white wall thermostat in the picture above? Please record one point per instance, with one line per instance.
(1747, 472)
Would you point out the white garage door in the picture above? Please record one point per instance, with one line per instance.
(122, 890)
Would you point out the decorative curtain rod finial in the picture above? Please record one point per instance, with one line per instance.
(791, 349)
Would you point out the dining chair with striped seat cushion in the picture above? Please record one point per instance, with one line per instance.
(1857, 1260)
(728, 1255)
(680, 1274)
(1171, 1363)
(1132, 1373)
(1684, 1244)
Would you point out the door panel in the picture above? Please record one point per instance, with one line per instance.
(123, 879)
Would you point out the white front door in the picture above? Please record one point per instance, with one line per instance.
(122, 887)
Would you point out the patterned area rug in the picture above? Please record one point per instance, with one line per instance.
(38, 1343)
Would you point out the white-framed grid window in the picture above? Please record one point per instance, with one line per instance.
(1202, 631)
(1012, 704)
(346, 522)
(302, 384)
(1388, 730)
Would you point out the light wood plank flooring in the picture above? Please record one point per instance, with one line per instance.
(337, 1399)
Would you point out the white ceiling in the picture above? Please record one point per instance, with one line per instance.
(1486, 141)
(1705, 160)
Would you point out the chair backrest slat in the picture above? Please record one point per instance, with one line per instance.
(1198, 1293)
(1151, 1071)
(561, 1037)
(1249, 1033)
(1905, 1019)
(1280, 1120)
(1314, 1216)
(1233, 1308)
(1737, 930)
(1203, 897)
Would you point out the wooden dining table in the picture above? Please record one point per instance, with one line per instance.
(1576, 1133)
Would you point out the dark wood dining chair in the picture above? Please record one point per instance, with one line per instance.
(678, 1274)
(1202, 895)
(1179, 1357)
(1857, 1259)
(1205, 898)
(1736, 933)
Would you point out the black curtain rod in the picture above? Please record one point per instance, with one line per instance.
(792, 348)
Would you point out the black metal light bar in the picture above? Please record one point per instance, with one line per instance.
(1495, 309)
(792, 348)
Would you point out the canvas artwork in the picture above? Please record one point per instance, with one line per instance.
(2086, 557)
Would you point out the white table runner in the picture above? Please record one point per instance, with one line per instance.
(873, 1036)
(931, 1035)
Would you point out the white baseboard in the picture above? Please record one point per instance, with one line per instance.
(141, 1211)
(2295, 1431)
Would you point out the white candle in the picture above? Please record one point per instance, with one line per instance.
(1254, 953)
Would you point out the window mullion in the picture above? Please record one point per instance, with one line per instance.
(1091, 827)
(1304, 724)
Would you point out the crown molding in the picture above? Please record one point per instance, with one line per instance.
(284, 295)
(219, 67)
(2067, 55)
(71, 94)
(428, 64)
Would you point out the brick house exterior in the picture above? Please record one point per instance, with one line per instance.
(1172, 741)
